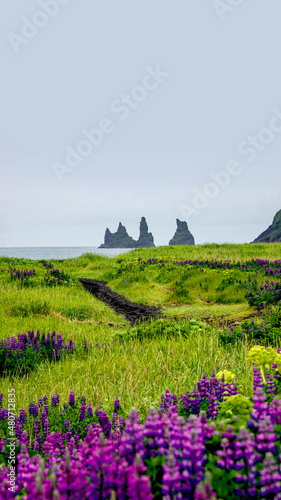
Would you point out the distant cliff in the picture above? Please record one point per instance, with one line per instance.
(145, 238)
(273, 232)
(121, 239)
(182, 235)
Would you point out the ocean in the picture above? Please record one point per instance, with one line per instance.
(47, 253)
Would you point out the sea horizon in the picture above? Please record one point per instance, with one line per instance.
(58, 252)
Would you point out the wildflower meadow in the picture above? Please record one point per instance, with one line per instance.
(184, 406)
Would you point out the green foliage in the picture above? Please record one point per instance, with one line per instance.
(228, 279)
(163, 328)
(32, 308)
(236, 405)
(229, 377)
(79, 313)
(263, 358)
(274, 317)
(154, 471)
(250, 331)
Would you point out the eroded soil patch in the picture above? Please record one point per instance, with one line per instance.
(132, 311)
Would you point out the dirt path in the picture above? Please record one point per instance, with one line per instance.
(133, 312)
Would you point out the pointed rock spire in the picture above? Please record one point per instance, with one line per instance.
(182, 235)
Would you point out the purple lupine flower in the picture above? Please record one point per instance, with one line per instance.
(275, 411)
(23, 416)
(82, 413)
(89, 410)
(121, 424)
(104, 423)
(46, 426)
(204, 490)
(138, 483)
(43, 417)
(114, 423)
(55, 400)
(225, 462)
(36, 427)
(72, 398)
(260, 408)
(270, 387)
(155, 440)
(266, 436)
(270, 478)
(116, 405)
(130, 442)
(213, 406)
(83, 400)
(33, 409)
(171, 478)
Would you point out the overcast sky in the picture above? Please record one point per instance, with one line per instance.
(114, 110)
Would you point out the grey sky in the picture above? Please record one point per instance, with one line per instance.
(223, 85)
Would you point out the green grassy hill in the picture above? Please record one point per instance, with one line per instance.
(140, 369)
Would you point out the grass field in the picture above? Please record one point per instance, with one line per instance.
(75, 369)
(138, 371)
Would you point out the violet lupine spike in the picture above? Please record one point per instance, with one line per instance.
(82, 413)
(138, 483)
(116, 404)
(245, 457)
(43, 417)
(171, 479)
(46, 409)
(266, 437)
(193, 453)
(37, 426)
(89, 410)
(55, 400)
(121, 424)
(71, 398)
(114, 421)
(131, 442)
(104, 423)
(213, 406)
(270, 478)
(225, 453)
(155, 439)
(270, 387)
(275, 411)
(194, 402)
(33, 409)
(260, 408)
(204, 490)
(162, 404)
